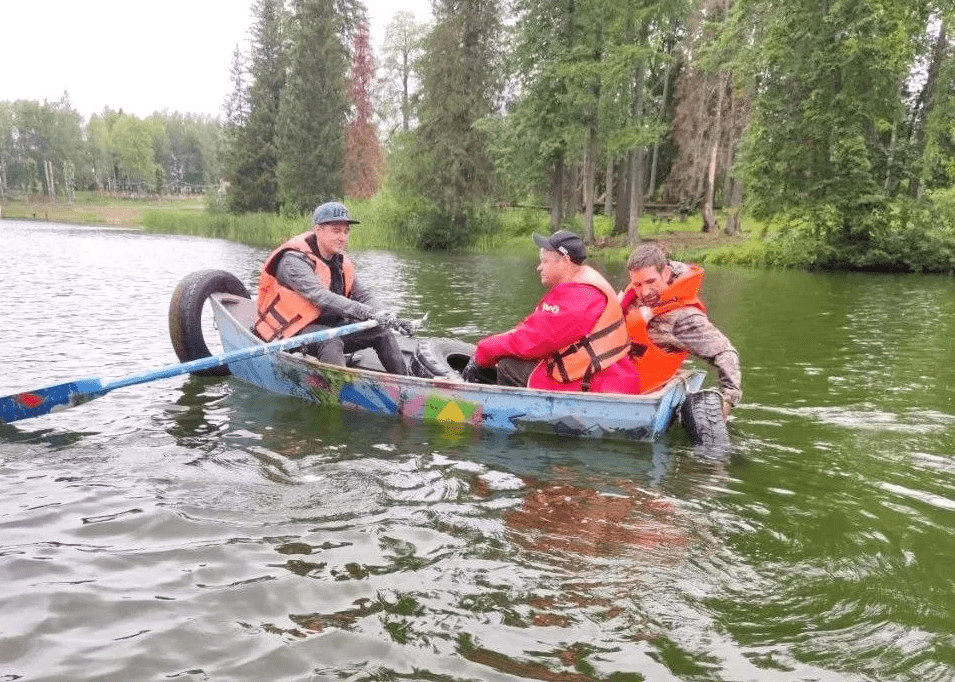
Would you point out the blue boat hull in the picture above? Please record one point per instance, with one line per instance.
(590, 415)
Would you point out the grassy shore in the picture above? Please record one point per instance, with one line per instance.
(91, 209)
(684, 239)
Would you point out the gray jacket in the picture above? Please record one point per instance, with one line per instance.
(295, 272)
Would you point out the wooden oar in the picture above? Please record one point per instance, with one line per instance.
(62, 396)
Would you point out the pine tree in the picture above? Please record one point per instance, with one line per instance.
(460, 86)
(235, 107)
(253, 158)
(363, 157)
(313, 109)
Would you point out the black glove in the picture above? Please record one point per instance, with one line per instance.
(406, 327)
(386, 319)
(471, 372)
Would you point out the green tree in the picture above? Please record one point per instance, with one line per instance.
(460, 86)
(131, 141)
(401, 50)
(312, 116)
(190, 157)
(540, 133)
(253, 156)
(45, 145)
(826, 100)
(100, 150)
(7, 147)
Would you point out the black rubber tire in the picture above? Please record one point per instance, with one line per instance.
(185, 314)
(441, 358)
(702, 417)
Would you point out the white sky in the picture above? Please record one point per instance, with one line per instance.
(139, 57)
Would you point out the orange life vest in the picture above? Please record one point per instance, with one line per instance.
(604, 345)
(283, 312)
(656, 365)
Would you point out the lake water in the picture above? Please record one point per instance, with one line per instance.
(201, 529)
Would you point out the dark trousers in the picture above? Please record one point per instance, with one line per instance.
(514, 371)
(383, 340)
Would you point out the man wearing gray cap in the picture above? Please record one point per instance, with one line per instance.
(576, 338)
(309, 283)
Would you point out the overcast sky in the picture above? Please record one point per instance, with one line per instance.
(138, 57)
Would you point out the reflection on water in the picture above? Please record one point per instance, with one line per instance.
(197, 528)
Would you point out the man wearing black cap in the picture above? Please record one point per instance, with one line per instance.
(309, 283)
(576, 338)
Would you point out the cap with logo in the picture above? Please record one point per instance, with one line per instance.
(564, 242)
(332, 212)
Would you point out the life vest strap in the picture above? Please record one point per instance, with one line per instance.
(273, 320)
(585, 344)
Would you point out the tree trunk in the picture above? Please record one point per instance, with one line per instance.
(588, 183)
(728, 153)
(652, 185)
(69, 181)
(557, 194)
(636, 195)
(48, 170)
(734, 201)
(622, 212)
(573, 192)
(893, 141)
(927, 98)
(405, 99)
(608, 194)
(637, 156)
(709, 214)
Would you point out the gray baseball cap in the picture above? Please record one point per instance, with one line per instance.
(332, 212)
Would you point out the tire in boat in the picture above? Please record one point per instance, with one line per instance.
(702, 417)
(441, 358)
(185, 314)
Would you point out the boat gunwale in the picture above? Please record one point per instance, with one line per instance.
(683, 377)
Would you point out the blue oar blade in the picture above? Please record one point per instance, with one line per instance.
(49, 399)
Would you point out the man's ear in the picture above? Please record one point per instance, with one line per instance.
(666, 273)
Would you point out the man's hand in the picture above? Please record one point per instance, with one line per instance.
(406, 327)
(389, 320)
(727, 408)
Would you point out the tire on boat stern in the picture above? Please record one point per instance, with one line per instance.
(702, 417)
(441, 358)
(185, 314)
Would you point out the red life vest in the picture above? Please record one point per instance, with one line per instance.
(283, 312)
(604, 345)
(656, 365)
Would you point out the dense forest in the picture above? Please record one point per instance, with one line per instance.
(835, 121)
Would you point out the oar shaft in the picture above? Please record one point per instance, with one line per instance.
(69, 394)
(239, 355)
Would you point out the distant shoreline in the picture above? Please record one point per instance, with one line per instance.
(680, 237)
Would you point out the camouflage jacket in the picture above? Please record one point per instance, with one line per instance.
(689, 329)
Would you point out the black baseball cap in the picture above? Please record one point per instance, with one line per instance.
(565, 242)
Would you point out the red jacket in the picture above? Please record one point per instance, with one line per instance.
(564, 315)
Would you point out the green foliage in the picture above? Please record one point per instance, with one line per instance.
(253, 157)
(402, 48)
(460, 82)
(901, 235)
(388, 220)
(255, 229)
(311, 123)
(827, 97)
